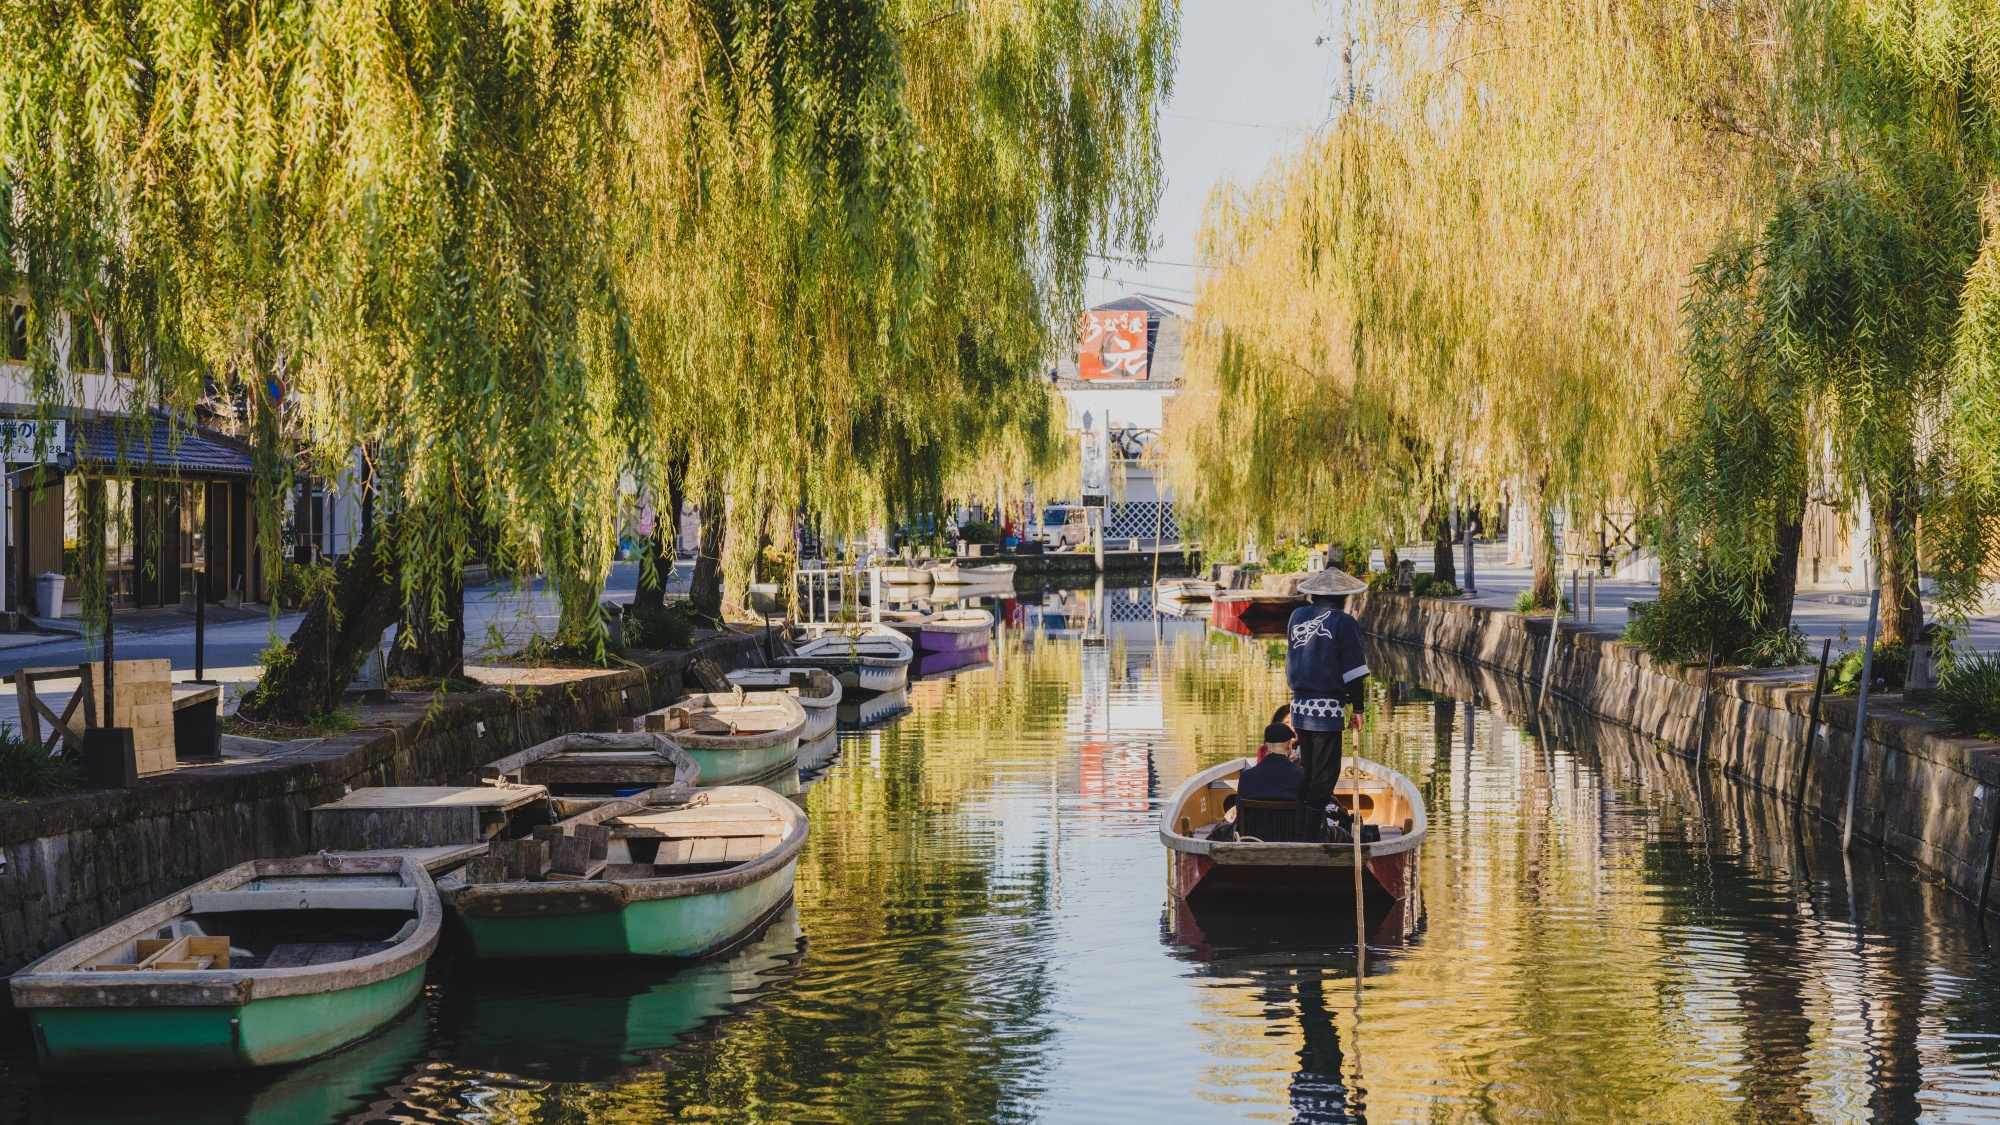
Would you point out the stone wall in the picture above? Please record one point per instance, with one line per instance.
(1921, 795)
(72, 864)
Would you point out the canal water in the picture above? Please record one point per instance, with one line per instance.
(982, 933)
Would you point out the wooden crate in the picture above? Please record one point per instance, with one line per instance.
(144, 698)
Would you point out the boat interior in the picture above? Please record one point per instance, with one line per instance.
(662, 834)
(274, 922)
(805, 683)
(1208, 806)
(752, 712)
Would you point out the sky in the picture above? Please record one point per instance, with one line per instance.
(1251, 83)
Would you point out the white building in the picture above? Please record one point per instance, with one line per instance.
(1115, 382)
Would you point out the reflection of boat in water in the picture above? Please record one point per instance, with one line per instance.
(874, 709)
(591, 1022)
(328, 1089)
(1202, 866)
(1228, 928)
(1185, 590)
(944, 665)
(818, 754)
(1252, 613)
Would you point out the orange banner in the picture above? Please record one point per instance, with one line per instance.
(1114, 345)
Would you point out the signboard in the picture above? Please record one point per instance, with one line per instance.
(1114, 345)
(1096, 459)
(22, 439)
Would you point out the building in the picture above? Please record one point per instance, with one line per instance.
(1127, 366)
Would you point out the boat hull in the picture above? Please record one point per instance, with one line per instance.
(267, 1031)
(738, 767)
(683, 926)
(1196, 877)
(952, 640)
(939, 663)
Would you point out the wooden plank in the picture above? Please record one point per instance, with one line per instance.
(569, 855)
(591, 870)
(741, 849)
(505, 797)
(707, 850)
(674, 851)
(304, 898)
(486, 869)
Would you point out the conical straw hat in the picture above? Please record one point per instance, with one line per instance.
(1331, 581)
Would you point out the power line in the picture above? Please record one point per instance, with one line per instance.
(1220, 121)
(1152, 262)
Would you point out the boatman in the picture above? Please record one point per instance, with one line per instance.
(1328, 675)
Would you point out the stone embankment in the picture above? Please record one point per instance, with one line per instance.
(1922, 795)
(71, 864)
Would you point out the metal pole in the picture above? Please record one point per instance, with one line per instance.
(1576, 589)
(1469, 588)
(1159, 529)
(110, 669)
(1707, 698)
(200, 625)
(1812, 720)
(1549, 662)
(1986, 877)
(1860, 718)
(1593, 597)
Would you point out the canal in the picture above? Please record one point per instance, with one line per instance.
(982, 933)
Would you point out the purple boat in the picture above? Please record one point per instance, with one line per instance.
(947, 630)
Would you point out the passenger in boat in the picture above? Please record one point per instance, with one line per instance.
(1328, 675)
(1276, 775)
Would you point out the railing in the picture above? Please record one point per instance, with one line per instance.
(1130, 443)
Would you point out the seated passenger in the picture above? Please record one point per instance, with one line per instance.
(1276, 776)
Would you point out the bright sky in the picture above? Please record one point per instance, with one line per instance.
(1251, 83)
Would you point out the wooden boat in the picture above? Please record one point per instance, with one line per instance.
(868, 657)
(905, 575)
(944, 630)
(1185, 589)
(1253, 612)
(953, 574)
(273, 961)
(815, 688)
(601, 765)
(1202, 867)
(735, 737)
(636, 878)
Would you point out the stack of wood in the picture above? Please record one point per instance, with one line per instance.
(555, 853)
(186, 952)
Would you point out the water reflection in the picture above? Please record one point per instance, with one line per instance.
(1599, 933)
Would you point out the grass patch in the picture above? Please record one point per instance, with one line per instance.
(435, 685)
(1968, 696)
(27, 771)
(669, 628)
(336, 721)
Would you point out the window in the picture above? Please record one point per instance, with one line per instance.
(86, 351)
(17, 333)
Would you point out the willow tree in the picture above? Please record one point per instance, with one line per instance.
(1474, 274)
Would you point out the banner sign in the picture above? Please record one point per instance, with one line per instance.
(20, 437)
(1114, 345)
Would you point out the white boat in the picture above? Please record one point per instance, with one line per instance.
(736, 737)
(999, 574)
(1202, 866)
(815, 688)
(1185, 589)
(905, 575)
(944, 630)
(865, 657)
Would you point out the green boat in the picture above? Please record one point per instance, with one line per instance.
(669, 878)
(737, 738)
(273, 961)
(598, 765)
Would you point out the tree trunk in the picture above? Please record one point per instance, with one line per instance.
(1547, 588)
(664, 548)
(705, 590)
(329, 646)
(1781, 585)
(1389, 558)
(1896, 563)
(427, 647)
(1443, 567)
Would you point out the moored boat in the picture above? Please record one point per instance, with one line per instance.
(1202, 866)
(945, 630)
(1253, 612)
(816, 689)
(905, 575)
(273, 961)
(867, 657)
(735, 737)
(1185, 589)
(667, 879)
(591, 764)
(998, 574)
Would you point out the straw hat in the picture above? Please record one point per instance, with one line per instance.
(1331, 581)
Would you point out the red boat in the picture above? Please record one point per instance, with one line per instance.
(1252, 613)
(1202, 866)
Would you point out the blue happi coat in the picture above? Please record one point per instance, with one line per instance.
(1325, 667)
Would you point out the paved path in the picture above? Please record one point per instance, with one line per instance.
(1841, 615)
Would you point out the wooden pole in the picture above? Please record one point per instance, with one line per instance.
(1812, 720)
(1159, 528)
(1986, 876)
(1860, 719)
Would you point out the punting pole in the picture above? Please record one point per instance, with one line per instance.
(1812, 720)
(1860, 718)
(1360, 895)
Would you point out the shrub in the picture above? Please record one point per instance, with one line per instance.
(671, 627)
(1892, 667)
(26, 770)
(979, 531)
(298, 582)
(1431, 586)
(1677, 625)
(1382, 580)
(1286, 560)
(1968, 696)
(1524, 602)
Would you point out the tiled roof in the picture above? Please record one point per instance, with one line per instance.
(121, 446)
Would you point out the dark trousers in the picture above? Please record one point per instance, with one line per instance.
(1319, 754)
